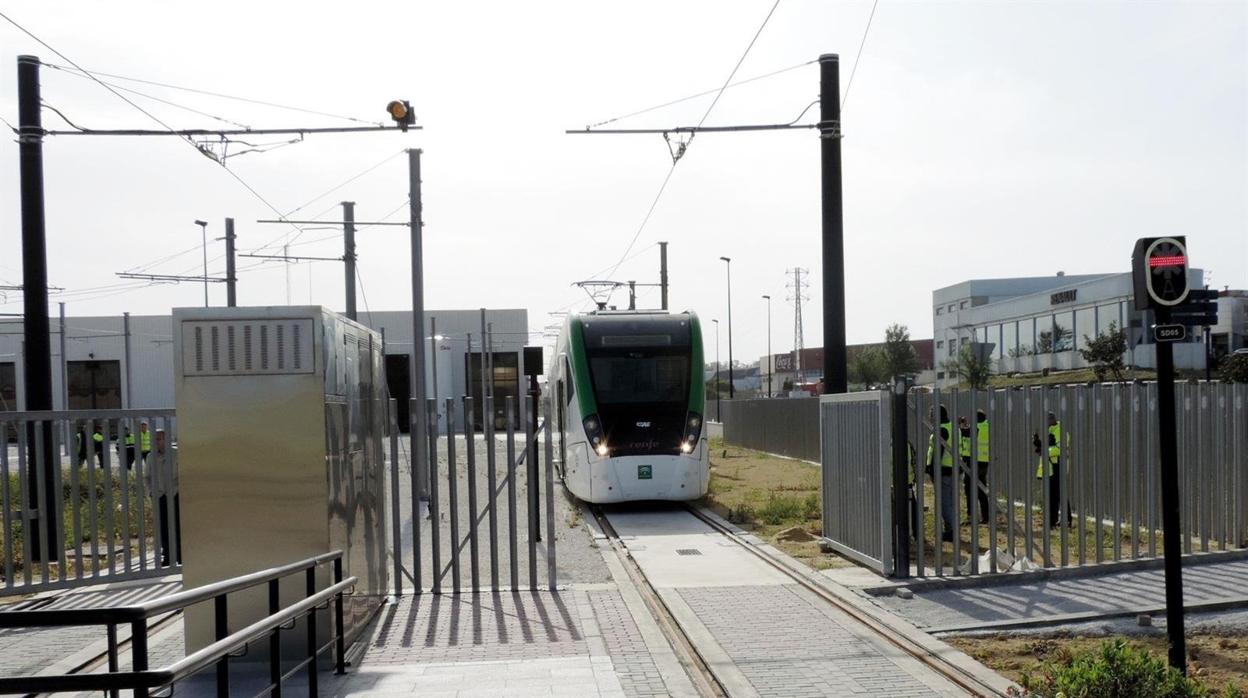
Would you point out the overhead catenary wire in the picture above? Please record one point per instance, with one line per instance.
(209, 93)
(704, 93)
(676, 158)
(858, 58)
(324, 194)
(189, 141)
(154, 98)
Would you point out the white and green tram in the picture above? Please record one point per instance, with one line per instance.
(629, 403)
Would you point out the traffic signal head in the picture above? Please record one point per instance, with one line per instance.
(1159, 268)
(401, 113)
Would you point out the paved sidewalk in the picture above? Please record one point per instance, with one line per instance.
(577, 643)
(1022, 598)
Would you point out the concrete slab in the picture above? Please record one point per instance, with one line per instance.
(677, 550)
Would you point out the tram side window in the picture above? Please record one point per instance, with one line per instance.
(567, 371)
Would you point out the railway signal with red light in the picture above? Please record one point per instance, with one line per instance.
(1159, 267)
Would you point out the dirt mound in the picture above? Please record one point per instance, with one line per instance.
(796, 534)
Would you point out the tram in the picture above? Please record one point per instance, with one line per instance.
(630, 402)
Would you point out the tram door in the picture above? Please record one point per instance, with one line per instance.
(560, 423)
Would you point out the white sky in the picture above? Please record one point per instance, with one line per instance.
(987, 139)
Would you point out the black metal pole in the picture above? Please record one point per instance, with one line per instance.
(901, 482)
(535, 515)
(663, 274)
(36, 329)
(770, 365)
(719, 417)
(728, 266)
(231, 279)
(1171, 543)
(348, 255)
(834, 358)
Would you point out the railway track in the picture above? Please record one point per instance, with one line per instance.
(702, 671)
(704, 680)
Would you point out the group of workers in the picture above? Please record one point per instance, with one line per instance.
(128, 444)
(974, 449)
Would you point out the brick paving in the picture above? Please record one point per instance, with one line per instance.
(632, 659)
(477, 627)
(788, 645)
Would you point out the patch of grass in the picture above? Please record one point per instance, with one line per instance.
(92, 482)
(1095, 667)
(767, 494)
(781, 509)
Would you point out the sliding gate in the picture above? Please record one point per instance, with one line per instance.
(488, 522)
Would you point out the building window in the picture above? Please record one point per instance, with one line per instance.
(951, 307)
(940, 310)
(940, 374)
(940, 344)
(963, 305)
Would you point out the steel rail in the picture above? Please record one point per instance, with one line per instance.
(698, 669)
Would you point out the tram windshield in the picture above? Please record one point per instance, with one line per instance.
(637, 376)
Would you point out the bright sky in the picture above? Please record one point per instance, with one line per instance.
(982, 139)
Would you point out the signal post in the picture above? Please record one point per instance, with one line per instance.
(1159, 270)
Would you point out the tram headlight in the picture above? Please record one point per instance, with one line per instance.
(593, 431)
(693, 431)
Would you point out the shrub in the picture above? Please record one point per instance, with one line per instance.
(810, 506)
(1117, 669)
(1234, 368)
(780, 509)
(743, 514)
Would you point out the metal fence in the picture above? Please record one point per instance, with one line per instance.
(491, 504)
(87, 496)
(856, 434)
(1094, 498)
(783, 426)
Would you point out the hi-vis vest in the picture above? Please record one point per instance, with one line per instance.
(145, 441)
(1055, 450)
(982, 438)
(964, 445)
(946, 455)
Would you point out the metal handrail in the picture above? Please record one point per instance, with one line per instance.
(160, 605)
(141, 679)
(187, 666)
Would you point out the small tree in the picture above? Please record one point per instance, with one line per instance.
(1053, 340)
(867, 367)
(1105, 352)
(970, 369)
(1233, 368)
(898, 357)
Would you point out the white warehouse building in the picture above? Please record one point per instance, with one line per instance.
(98, 376)
(1032, 324)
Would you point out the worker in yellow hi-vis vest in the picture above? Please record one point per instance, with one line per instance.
(976, 446)
(1050, 453)
(940, 448)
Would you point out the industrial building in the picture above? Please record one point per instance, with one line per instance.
(807, 367)
(127, 361)
(1032, 324)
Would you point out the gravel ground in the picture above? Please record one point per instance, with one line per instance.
(576, 555)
